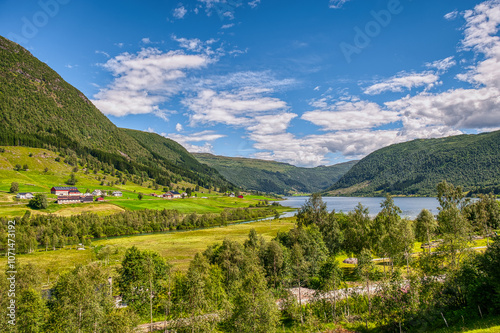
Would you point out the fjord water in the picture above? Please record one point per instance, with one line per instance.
(410, 206)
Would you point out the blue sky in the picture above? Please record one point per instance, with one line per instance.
(304, 82)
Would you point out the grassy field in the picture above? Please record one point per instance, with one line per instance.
(177, 247)
(44, 172)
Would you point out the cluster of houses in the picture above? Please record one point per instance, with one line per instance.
(69, 195)
(170, 195)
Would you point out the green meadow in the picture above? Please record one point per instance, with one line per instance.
(44, 171)
(177, 247)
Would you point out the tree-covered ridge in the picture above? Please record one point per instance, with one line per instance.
(416, 167)
(270, 176)
(39, 109)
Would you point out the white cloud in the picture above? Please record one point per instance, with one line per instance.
(227, 26)
(403, 81)
(178, 127)
(335, 4)
(103, 53)
(451, 15)
(144, 80)
(231, 108)
(351, 116)
(205, 136)
(150, 130)
(254, 3)
(180, 12)
(462, 108)
(146, 40)
(442, 65)
(271, 124)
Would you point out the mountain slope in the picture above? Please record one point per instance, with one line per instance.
(416, 167)
(167, 149)
(39, 109)
(269, 176)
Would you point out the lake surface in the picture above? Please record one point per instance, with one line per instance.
(410, 206)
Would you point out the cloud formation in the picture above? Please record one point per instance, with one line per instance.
(143, 81)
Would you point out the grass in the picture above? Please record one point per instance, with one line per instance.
(486, 325)
(199, 205)
(35, 179)
(177, 247)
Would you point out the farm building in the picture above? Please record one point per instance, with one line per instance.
(71, 199)
(57, 190)
(97, 193)
(24, 195)
(117, 193)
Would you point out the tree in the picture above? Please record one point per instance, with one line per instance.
(273, 260)
(425, 227)
(331, 275)
(31, 311)
(357, 230)
(140, 196)
(365, 269)
(39, 201)
(312, 211)
(17, 167)
(72, 180)
(79, 302)
(14, 187)
(484, 214)
(140, 279)
(25, 167)
(452, 223)
(299, 271)
(202, 295)
(255, 309)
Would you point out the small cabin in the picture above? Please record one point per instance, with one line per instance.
(25, 195)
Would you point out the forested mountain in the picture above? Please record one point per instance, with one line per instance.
(39, 109)
(416, 167)
(276, 177)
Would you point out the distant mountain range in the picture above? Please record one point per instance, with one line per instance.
(39, 109)
(275, 177)
(416, 167)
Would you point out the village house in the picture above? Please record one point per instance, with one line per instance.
(100, 199)
(71, 199)
(168, 195)
(24, 195)
(97, 193)
(175, 194)
(65, 191)
(117, 193)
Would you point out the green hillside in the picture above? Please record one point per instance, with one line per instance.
(39, 109)
(416, 167)
(276, 177)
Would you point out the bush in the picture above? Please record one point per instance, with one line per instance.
(14, 187)
(39, 201)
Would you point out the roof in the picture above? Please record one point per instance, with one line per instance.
(65, 188)
(174, 192)
(117, 192)
(24, 193)
(68, 197)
